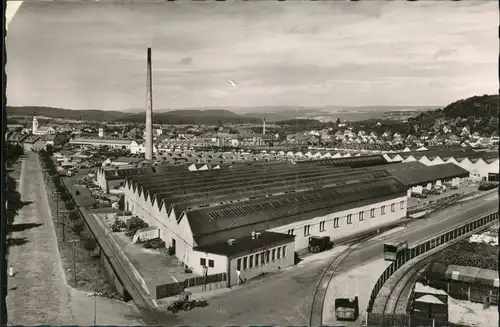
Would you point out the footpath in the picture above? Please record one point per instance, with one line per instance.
(38, 292)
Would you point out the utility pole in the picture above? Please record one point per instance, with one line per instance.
(74, 241)
(63, 216)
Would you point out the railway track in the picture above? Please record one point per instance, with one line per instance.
(396, 300)
(393, 304)
(316, 315)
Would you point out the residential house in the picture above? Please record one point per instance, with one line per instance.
(33, 143)
(16, 138)
(387, 135)
(453, 139)
(475, 136)
(410, 139)
(465, 132)
(447, 129)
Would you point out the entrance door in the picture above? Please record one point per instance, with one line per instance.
(173, 244)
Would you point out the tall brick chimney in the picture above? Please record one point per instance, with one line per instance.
(149, 111)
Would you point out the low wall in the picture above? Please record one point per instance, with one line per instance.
(120, 252)
(207, 287)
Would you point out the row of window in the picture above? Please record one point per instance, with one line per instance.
(203, 262)
(336, 220)
(262, 258)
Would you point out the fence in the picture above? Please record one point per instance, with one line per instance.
(171, 289)
(425, 247)
(380, 319)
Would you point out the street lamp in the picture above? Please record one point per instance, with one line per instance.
(74, 241)
(94, 295)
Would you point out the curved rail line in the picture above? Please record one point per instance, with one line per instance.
(407, 279)
(403, 284)
(316, 316)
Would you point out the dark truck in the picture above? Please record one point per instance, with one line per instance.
(347, 308)
(319, 244)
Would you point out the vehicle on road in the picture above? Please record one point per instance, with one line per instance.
(418, 195)
(393, 250)
(319, 244)
(347, 308)
(485, 186)
(186, 303)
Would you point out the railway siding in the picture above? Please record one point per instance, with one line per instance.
(394, 294)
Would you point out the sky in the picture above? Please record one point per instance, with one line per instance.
(92, 55)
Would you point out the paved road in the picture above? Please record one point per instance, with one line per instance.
(37, 294)
(284, 299)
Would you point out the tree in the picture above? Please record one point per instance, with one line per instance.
(89, 244)
(337, 122)
(78, 227)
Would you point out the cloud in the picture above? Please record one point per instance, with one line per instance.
(285, 53)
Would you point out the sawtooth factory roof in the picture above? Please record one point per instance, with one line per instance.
(234, 200)
(459, 155)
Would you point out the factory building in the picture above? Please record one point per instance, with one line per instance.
(217, 219)
(482, 165)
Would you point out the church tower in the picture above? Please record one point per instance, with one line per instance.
(35, 125)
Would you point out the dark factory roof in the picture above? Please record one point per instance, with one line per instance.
(353, 162)
(246, 244)
(187, 191)
(429, 174)
(416, 173)
(239, 219)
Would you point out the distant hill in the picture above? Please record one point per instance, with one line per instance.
(477, 106)
(211, 116)
(207, 117)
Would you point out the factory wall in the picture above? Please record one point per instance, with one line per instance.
(171, 231)
(283, 257)
(337, 226)
(215, 263)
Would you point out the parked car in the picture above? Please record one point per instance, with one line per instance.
(418, 195)
(487, 186)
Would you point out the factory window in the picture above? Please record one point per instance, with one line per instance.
(273, 254)
(257, 257)
(203, 262)
(372, 213)
(307, 230)
(335, 222)
(290, 231)
(361, 215)
(210, 263)
(322, 226)
(238, 264)
(284, 252)
(245, 263)
(382, 210)
(278, 253)
(250, 261)
(349, 219)
(393, 207)
(268, 255)
(401, 205)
